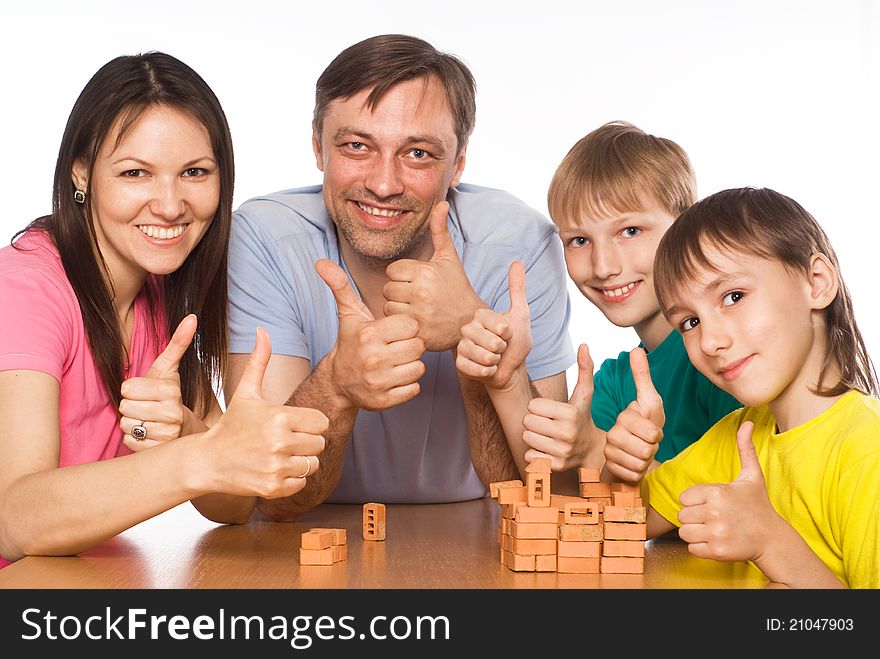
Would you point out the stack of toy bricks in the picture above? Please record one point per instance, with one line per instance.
(603, 530)
(323, 547)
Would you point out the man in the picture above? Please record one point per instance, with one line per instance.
(372, 345)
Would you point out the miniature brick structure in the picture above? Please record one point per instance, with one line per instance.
(374, 521)
(323, 547)
(601, 531)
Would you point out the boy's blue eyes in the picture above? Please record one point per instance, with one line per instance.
(629, 232)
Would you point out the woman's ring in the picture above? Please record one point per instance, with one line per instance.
(139, 432)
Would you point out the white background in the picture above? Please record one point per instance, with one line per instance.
(782, 94)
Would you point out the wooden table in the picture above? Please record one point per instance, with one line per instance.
(428, 546)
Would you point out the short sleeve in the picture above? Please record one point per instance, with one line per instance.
(37, 328)
(859, 521)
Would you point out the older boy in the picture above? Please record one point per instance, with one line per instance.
(612, 198)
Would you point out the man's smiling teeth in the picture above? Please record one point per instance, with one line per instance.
(617, 292)
(381, 212)
(161, 232)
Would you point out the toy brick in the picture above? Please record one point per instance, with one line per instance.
(638, 502)
(495, 487)
(374, 521)
(512, 494)
(602, 501)
(622, 565)
(339, 535)
(340, 553)
(506, 525)
(578, 549)
(506, 542)
(538, 490)
(625, 487)
(576, 565)
(532, 546)
(559, 500)
(316, 556)
(508, 510)
(588, 475)
(545, 563)
(504, 553)
(580, 532)
(317, 539)
(589, 490)
(635, 548)
(537, 530)
(583, 512)
(625, 531)
(521, 563)
(530, 515)
(625, 514)
(538, 466)
(623, 499)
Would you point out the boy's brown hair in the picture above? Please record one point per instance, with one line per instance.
(612, 169)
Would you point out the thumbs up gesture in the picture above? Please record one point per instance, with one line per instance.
(436, 293)
(563, 432)
(630, 445)
(375, 363)
(494, 345)
(730, 521)
(154, 400)
(260, 449)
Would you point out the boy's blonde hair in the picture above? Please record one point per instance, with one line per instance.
(768, 224)
(613, 169)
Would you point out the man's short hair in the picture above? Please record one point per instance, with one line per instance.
(383, 61)
(614, 169)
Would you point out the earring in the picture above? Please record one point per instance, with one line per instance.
(79, 196)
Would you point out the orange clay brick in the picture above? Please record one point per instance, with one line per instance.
(588, 475)
(340, 553)
(580, 532)
(520, 563)
(545, 563)
(559, 500)
(316, 556)
(589, 490)
(529, 515)
(506, 542)
(623, 499)
(512, 494)
(625, 531)
(497, 485)
(503, 557)
(625, 514)
(635, 548)
(575, 565)
(316, 539)
(508, 510)
(602, 501)
(538, 490)
(578, 549)
(339, 535)
(374, 521)
(521, 530)
(626, 487)
(532, 546)
(506, 525)
(584, 512)
(622, 565)
(639, 503)
(538, 466)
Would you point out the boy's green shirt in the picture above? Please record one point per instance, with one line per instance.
(692, 404)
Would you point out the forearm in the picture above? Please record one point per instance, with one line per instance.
(318, 391)
(490, 452)
(511, 405)
(66, 510)
(789, 560)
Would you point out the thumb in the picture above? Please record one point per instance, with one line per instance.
(440, 236)
(516, 283)
(347, 301)
(168, 362)
(583, 389)
(251, 383)
(748, 456)
(649, 401)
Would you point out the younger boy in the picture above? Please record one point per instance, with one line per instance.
(612, 198)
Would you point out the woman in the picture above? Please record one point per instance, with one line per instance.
(135, 246)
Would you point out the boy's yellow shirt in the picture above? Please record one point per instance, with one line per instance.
(823, 477)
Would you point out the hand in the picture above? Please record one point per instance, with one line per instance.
(494, 345)
(375, 363)
(154, 400)
(630, 446)
(436, 293)
(259, 449)
(563, 432)
(733, 521)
